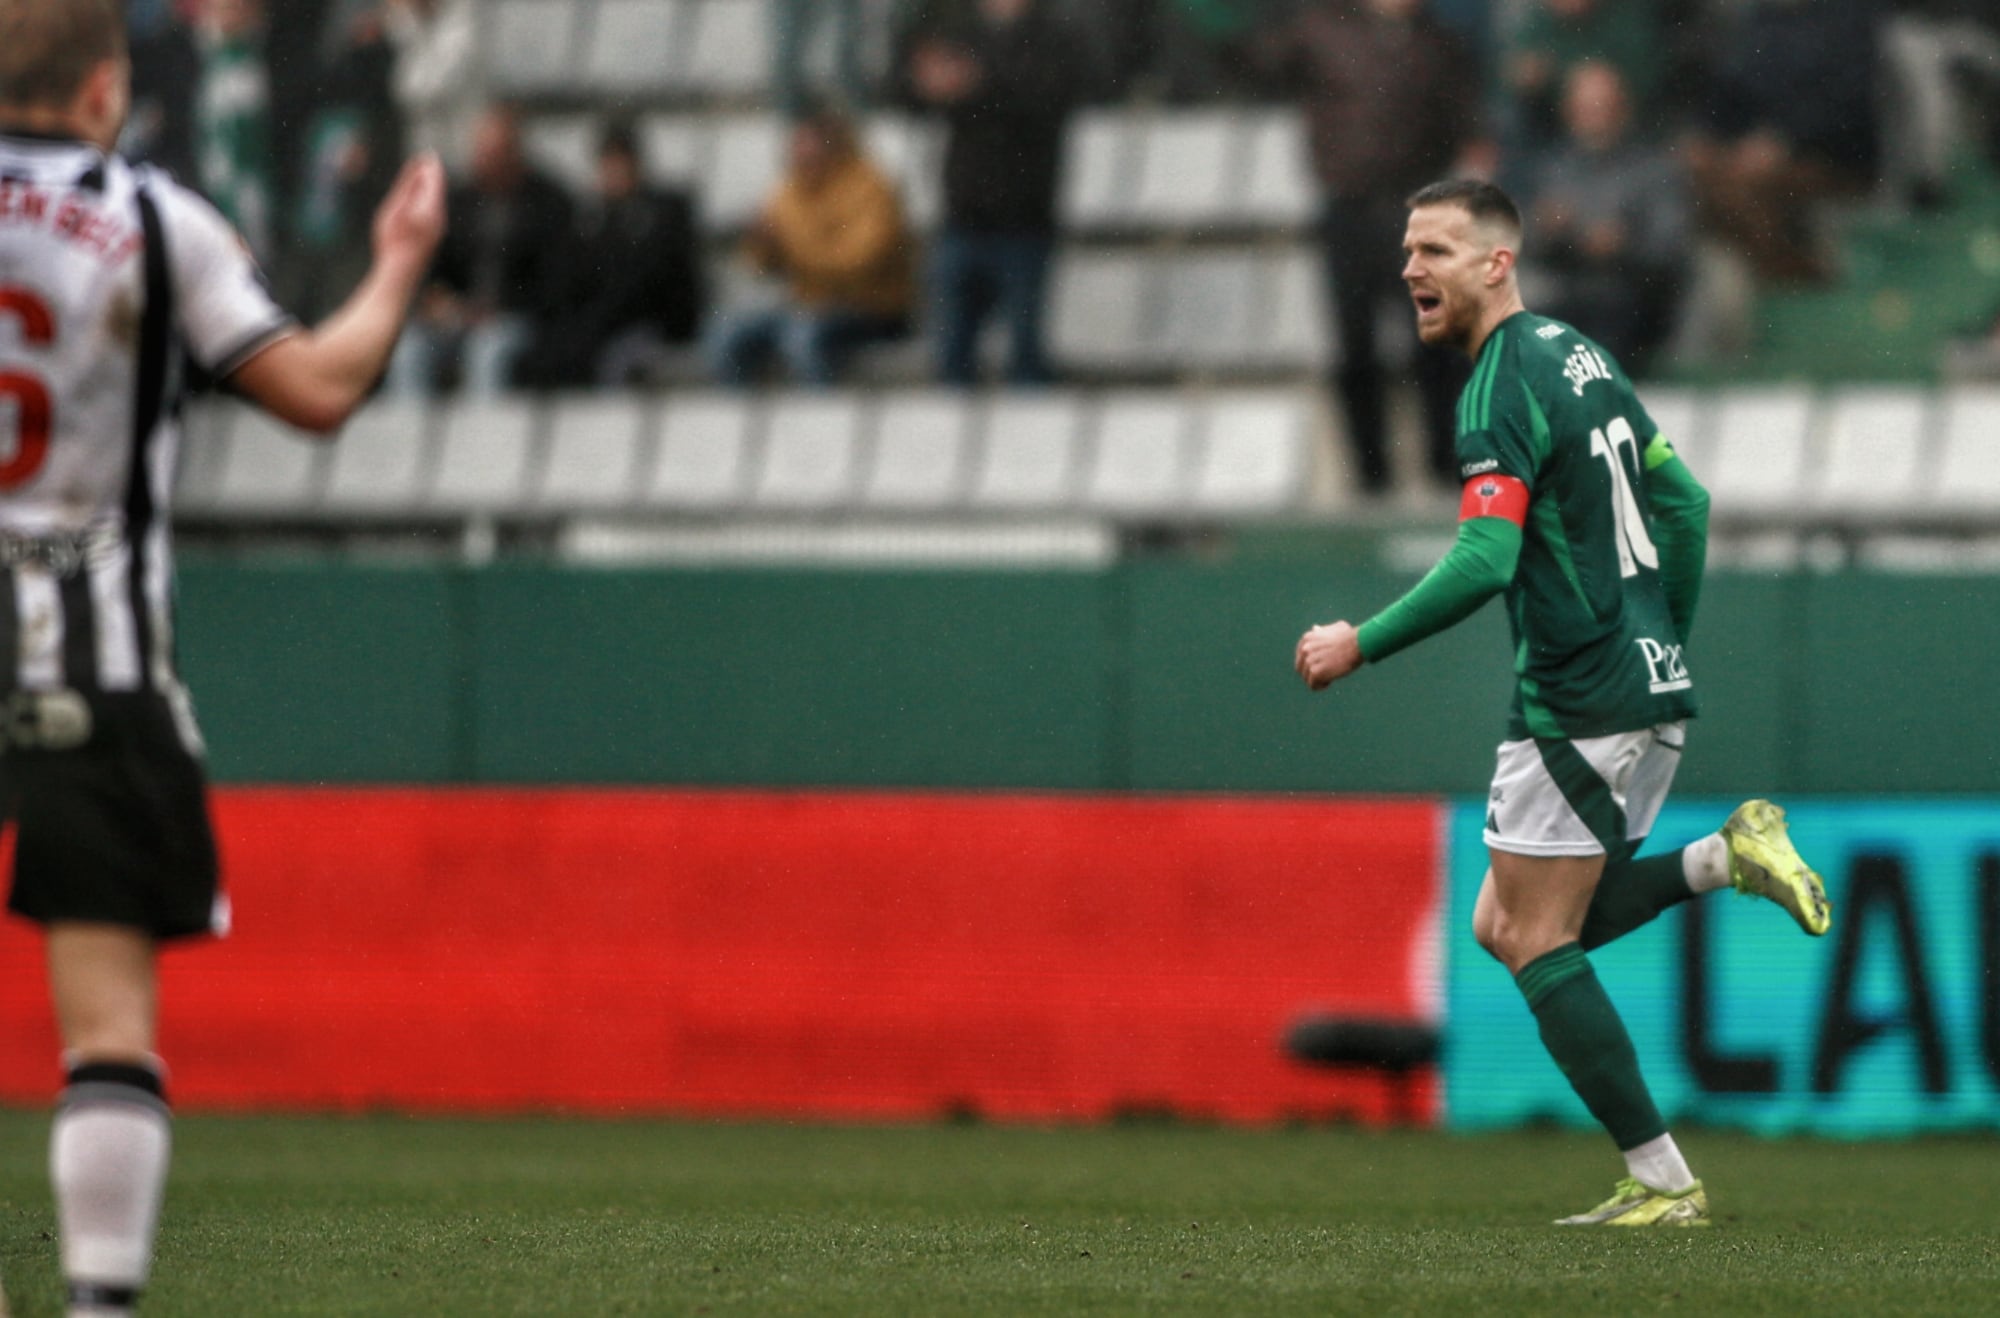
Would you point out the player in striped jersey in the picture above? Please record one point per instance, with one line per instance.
(110, 276)
(1578, 509)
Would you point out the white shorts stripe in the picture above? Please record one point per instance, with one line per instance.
(1528, 814)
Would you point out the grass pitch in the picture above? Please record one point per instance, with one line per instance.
(381, 1216)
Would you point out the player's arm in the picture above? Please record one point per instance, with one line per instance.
(316, 378)
(1477, 567)
(1679, 508)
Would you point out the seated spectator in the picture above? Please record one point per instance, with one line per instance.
(833, 232)
(352, 147)
(233, 120)
(1943, 62)
(498, 274)
(1792, 123)
(1006, 76)
(166, 76)
(1552, 38)
(1611, 223)
(438, 76)
(634, 281)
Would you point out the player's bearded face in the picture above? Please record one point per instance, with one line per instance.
(1445, 267)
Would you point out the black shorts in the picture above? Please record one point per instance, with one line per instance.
(115, 830)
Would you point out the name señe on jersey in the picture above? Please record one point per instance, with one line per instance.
(69, 216)
(1583, 366)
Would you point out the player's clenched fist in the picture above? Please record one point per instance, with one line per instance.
(1327, 653)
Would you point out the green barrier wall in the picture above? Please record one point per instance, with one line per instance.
(1158, 675)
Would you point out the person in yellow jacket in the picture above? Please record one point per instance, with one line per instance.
(834, 233)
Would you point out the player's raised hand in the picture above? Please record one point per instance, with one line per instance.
(1327, 653)
(411, 218)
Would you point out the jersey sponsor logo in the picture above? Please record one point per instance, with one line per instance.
(1494, 495)
(1549, 332)
(1471, 469)
(1666, 670)
(1583, 366)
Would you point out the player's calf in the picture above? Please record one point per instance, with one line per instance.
(108, 1155)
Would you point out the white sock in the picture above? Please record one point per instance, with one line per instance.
(1706, 864)
(108, 1156)
(1658, 1163)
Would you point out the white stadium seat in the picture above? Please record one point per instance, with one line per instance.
(1278, 186)
(1300, 330)
(269, 467)
(673, 148)
(485, 448)
(593, 454)
(1678, 412)
(810, 451)
(530, 44)
(1188, 169)
(204, 452)
(743, 164)
(1097, 307)
(1758, 461)
(1139, 463)
(921, 453)
(729, 53)
(702, 461)
(381, 458)
(1968, 465)
(1872, 455)
(1029, 453)
(1214, 312)
(634, 46)
(1253, 452)
(1100, 161)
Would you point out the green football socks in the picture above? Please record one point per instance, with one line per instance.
(1584, 1035)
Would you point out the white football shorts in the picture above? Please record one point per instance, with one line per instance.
(1584, 797)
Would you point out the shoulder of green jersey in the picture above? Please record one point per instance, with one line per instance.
(1552, 330)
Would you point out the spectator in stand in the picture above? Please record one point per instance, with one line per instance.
(1792, 123)
(233, 117)
(1197, 53)
(833, 232)
(634, 281)
(1391, 99)
(438, 80)
(352, 142)
(498, 277)
(1006, 76)
(794, 23)
(166, 77)
(1943, 61)
(1551, 40)
(1612, 221)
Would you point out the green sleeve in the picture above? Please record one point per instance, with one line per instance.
(1679, 506)
(1476, 568)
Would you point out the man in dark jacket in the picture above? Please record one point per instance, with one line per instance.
(1005, 75)
(1391, 102)
(633, 283)
(498, 276)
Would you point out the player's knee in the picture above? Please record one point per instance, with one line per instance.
(1486, 929)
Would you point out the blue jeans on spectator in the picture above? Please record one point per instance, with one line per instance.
(813, 342)
(484, 353)
(977, 275)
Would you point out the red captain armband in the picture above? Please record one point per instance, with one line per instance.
(1494, 495)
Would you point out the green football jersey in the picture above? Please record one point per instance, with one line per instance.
(1595, 647)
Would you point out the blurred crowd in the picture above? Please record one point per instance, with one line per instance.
(1630, 130)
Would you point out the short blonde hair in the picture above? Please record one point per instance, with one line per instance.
(48, 48)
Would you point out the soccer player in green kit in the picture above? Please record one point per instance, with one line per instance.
(1578, 509)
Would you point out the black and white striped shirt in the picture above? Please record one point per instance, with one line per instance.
(109, 274)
